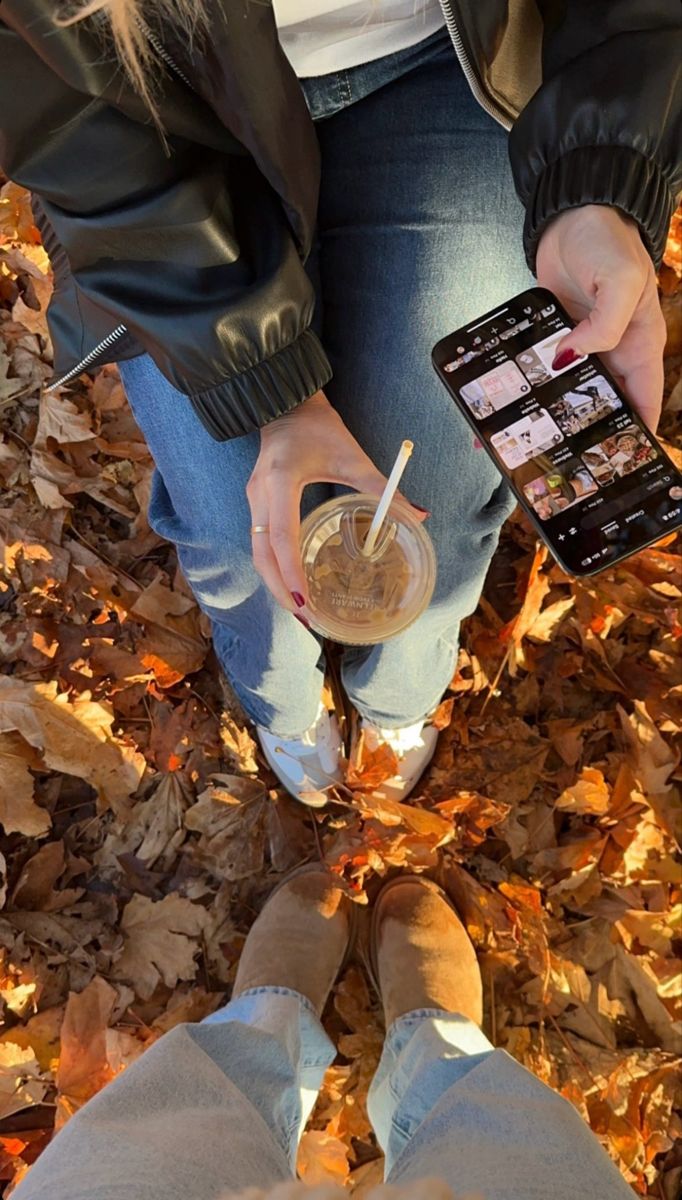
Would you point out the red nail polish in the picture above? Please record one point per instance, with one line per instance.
(564, 359)
(301, 620)
(426, 511)
(298, 599)
(478, 444)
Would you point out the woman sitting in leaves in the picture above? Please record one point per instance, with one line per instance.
(269, 215)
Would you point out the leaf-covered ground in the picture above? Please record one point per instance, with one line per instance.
(142, 832)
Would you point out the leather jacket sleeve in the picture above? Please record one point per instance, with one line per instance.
(194, 247)
(186, 245)
(604, 127)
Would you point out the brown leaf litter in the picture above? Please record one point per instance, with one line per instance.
(142, 831)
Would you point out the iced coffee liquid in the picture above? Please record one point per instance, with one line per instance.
(358, 599)
(367, 591)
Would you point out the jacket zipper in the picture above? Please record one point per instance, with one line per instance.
(162, 53)
(456, 38)
(90, 358)
(477, 91)
(120, 330)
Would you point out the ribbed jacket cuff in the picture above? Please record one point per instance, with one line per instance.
(614, 175)
(266, 391)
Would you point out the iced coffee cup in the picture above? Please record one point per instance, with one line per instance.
(360, 598)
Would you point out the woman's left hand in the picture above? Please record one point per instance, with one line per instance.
(594, 260)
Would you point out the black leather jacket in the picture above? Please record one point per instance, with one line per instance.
(194, 251)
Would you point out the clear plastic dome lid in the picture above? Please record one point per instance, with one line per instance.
(358, 599)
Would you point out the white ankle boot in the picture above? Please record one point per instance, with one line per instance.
(307, 764)
(414, 746)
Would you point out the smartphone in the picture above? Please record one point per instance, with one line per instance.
(593, 480)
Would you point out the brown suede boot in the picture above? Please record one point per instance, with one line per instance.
(421, 954)
(301, 937)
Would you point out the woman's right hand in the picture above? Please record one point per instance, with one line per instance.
(308, 445)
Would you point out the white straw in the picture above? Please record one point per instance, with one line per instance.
(387, 496)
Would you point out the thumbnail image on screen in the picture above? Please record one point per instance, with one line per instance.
(620, 454)
(536, 361)
(466, 356)
(525, 439)
(585, 404)
(558, 489)
(495, 390)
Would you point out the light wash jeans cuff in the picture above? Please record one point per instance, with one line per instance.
(427, 1051)
(278, 1053)
(270, 1009)
(462, 1034)
(267, 990)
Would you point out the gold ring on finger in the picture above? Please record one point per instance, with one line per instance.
(260, 528)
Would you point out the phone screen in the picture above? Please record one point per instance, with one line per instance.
(596, 484)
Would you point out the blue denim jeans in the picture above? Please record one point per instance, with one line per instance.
(218, 1107)
(419, 231)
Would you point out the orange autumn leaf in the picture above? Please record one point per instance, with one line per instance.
(322, 1158)
(92, 1053)
(522, 896)
(368, 769)
(537, 587)
(473, 814)
(589, 794)
(419, 820)
(13, 1145)
(84, 1067)
(16, 216)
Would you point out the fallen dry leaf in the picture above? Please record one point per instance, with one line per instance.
(83, 1068)
(158, 942)
(62, 420)
(537, 587)
(589, 794)
(322, 1158)
(35, 887)
(21, 1081)
(18, 811)
(369, 768)
(72, 736)
(41, 1034)
(230, 817)
(652, 757)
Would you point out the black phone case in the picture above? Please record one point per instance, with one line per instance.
(438, 355)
